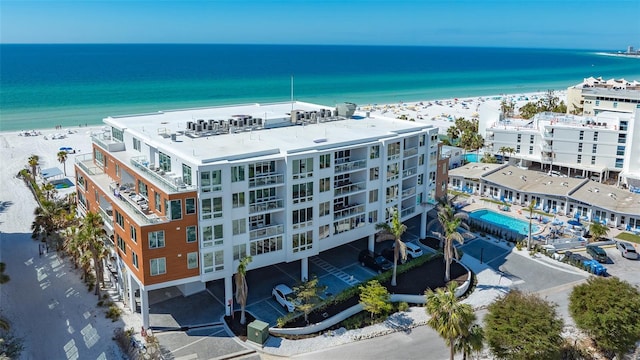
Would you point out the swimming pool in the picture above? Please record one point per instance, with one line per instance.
(504, 221)
(471, 157)
(63, 183)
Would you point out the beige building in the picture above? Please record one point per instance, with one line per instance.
(595, 95)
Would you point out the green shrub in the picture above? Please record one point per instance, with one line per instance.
(403, 306)
(113, 312)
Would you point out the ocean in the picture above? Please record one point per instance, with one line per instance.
(42, 86)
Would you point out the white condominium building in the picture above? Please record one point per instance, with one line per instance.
(187, 193)
(595, 95)
(596, 147)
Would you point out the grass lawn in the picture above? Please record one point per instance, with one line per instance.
(629, 237)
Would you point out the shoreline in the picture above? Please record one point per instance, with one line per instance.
(624, 55)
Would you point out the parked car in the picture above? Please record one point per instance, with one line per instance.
(413, 250)
(374, 261)
(597, 253)
(627, 250)
(280, 293)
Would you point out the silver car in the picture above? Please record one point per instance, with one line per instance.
(627, 250)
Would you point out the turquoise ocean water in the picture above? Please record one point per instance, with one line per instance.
(46, 85)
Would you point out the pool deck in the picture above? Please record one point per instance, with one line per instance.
(476, 202)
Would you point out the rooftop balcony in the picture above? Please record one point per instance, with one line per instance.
(137, 205)
(85, 162)
(106, 142)
(170, 182)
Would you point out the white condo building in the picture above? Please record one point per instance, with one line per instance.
(187, 193)
(596, 147)
(596, 95)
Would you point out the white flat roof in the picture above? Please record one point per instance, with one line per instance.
(263, 142)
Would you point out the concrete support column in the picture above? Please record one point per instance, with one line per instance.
(144, 307)
(423, 224)
(372, 242)
(304, 269)
(132, 300)
(228, 294)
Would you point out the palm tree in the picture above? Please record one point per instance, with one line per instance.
(453, 133)
(242, 290)
(598, 230)
(394, 232)
(532, 205)
(449, 318)
(62, 158)
(49, 189)
(34, 161)
(46, 220)
(92, 233)
(471, 341)
(450, 221)
(503, 150)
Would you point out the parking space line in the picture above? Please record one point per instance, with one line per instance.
(347, 278)
(286, 273)
(213, 296)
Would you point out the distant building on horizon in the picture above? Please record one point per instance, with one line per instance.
(595, 95)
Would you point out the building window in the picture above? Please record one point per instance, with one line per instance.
(239, 251)
(158, 266)
(134, 259)
(192, 233)
(261, 168)
(518, 148)
(213, 261)
(158, 201)
(302, 217)
(595, 148)
(373, 195)
(619, 163)
(325, 184)
(620, 151)
(237, 199)
(121, 245)
(190, 206)
(211, 181)
(176, 209)
(580, 147)
(422, 140)
(237, 173)
(420, 179)
(192, 260)
(374, 173)
(581, 135)
(133, 233)
(374, 152)
(324, 232)
(373, 217)
(136, 144)
(519, 137)
(212, 235)
(393, 150)
(392, 193)
(325, 208)
(142, 189)
(156, 239)
(165, 161)
(595, 136)
(302, 241)
(211, 207)
(325, 161)
(265, 246)
(117, 134)
(530, 150)
(593, 160)
(579, 159)
(421, 160)
(186, 174)
(239, 226)
(303, 192)
(119, 219)
(302, 168)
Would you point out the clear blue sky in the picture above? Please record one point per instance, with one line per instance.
(584, 24)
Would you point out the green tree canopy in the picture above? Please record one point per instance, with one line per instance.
(523, 326)
(307, 295)
(598, 230)
(608, 310)
(375, 298)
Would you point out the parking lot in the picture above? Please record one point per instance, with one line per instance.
(625, 269)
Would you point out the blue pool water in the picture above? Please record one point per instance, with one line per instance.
(62, 184)
(471, 157)
(504, 221)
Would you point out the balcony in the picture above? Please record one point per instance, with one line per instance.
(85, 162)
(137, 205)
(350, 166)
(349, 189)
(341, 212)
(266, 231)
(106, 142)
(107, 216)
(409, 172)
(408, 192)
(410, 152)
(264, 180)
(277, 204)
(168, 181)
(407, 211)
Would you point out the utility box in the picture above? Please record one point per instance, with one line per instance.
(258, 332)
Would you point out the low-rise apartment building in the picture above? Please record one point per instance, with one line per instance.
(186, 194)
